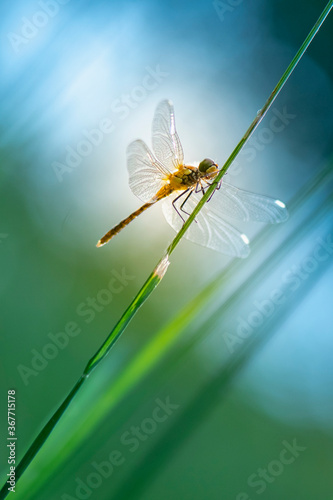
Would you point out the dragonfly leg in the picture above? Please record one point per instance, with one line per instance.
(218, 186)
(211, 195)
(182, 205)
(176, 199)
(199, 187)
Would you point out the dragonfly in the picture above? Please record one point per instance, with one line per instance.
(163, 175)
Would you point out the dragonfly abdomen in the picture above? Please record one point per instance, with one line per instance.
(116, 229)
(162, 193)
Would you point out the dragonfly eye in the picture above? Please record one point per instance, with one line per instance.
(206, 164)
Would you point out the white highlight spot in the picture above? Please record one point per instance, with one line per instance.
(280, 203)
(245, 239)
(162, 267)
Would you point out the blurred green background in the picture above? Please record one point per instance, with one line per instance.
(248, 372)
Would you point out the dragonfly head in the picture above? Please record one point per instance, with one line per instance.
(208, 168)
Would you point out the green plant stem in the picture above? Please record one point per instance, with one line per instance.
(156, 276)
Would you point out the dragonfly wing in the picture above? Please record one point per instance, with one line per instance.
(209, 229)
(146, 174)
(166, 143)
(246, 206)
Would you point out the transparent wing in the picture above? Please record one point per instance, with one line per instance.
(209, 230)
(146, 173)
(166, 144)
(246, 206)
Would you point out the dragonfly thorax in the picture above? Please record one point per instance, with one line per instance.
(188, 176)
